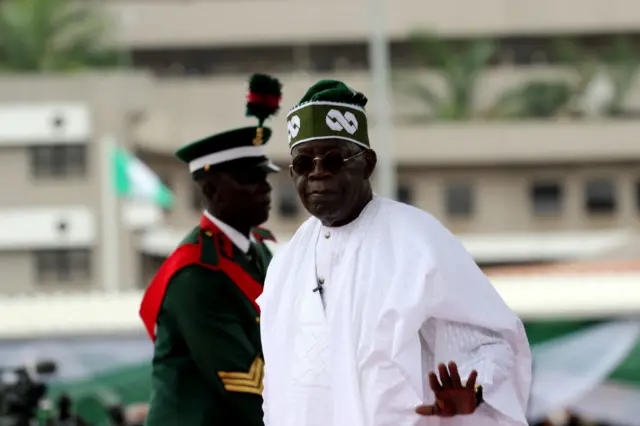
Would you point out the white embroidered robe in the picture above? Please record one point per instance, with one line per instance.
(400, 296)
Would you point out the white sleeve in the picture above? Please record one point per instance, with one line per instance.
(469, 323)
(483, 350)
(444, 296)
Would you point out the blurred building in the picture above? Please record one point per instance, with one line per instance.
(516, 192)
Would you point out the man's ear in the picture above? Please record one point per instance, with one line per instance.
(291, 172)
(371, 160)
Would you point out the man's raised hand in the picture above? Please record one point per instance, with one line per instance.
(452, 396)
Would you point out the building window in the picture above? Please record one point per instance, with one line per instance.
(600, 197)
(56, 161)
(288, 204)
(459, 200)
(405, 194)
(63, 265)
(546, 197)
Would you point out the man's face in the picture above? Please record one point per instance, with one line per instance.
(243, 196)
(331, 188)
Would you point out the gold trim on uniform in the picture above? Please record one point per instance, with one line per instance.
(250, 382)
(259, 135)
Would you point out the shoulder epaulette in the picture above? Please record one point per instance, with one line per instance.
(210, 247)
(193, 237)
(263, 234)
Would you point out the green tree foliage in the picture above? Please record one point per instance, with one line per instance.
(622, 62)
(55, 36)
(535, 99)
(459, 65)
(617, 63)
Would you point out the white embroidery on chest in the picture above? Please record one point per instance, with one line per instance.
(311, 362)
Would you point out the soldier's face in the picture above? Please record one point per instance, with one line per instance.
(244, 197)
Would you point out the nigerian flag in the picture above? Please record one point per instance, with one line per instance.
(134, 179)
(590, 367)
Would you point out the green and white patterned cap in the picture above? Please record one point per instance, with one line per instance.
(329, 110)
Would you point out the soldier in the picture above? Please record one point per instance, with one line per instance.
(200, 309)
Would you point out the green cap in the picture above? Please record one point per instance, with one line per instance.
(241, 147)
(329, 110)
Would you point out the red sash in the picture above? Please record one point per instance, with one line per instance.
(189, 254)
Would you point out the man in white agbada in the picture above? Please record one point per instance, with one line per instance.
(371, 296)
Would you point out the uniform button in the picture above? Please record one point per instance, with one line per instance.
(327, 234)
(321, 280)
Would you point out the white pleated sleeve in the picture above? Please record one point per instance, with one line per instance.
(442, 308)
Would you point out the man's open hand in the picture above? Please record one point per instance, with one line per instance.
(452, 397)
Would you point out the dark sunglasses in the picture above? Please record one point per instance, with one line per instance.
(332, 162)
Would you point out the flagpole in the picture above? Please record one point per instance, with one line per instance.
(379, 58)
(110, 219)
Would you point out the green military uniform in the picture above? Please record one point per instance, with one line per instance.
(200, 309)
